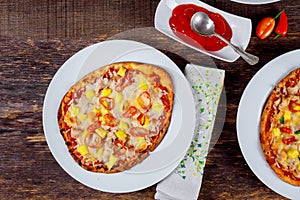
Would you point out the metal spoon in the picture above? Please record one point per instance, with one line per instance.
(203, 25)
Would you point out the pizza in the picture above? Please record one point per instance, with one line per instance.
(280, 129)
(114, 116)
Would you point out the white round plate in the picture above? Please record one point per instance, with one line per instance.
(241, 27)
(255, 2)
(248, 120)
(182, 121)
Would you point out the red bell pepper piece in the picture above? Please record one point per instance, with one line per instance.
(144, 100)
(288, 140)
(286, 130)
(107, 102)
(110, 120)
(282, 26)
(130, 112)
(292, 106)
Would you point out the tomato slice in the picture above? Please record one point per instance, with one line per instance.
(107, 102)
(265, 27)
(130, 112)
(144, 100)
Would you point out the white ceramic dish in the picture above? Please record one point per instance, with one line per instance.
(102, 54)
(255, 2)
(177, 136)
(248, 120)
(241, 27)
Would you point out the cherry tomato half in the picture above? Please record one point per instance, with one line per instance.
(265, 27)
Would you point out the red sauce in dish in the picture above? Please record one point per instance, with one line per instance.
(180, 25)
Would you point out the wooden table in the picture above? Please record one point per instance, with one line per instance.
(37, 37)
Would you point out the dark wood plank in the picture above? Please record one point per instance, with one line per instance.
(37, 37)
(64, 18)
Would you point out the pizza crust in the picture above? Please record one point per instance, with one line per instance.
(157, 75)
(270, 120)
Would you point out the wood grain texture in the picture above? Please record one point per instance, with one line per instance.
(37, 37)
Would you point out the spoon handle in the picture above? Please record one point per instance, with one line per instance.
(249, 58)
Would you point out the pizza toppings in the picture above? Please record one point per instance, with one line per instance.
(294, 106)
(107, 102)
(144, 100)
(286, 130)
(114, 116)
(138, 131)
(130, 112)
(280, 129)
(92, 140)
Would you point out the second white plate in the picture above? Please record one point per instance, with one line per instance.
(248, 120)
(255, 2)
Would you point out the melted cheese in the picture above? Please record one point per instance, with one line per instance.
(87, 110)
(287, 155)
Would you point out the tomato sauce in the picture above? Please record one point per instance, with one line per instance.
(180, 25)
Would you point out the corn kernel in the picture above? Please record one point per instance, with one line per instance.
(293, 153)
(101, 132)
(103, 110)
(143, 146)
(100, 151)
(142, 143)
(298, 167)
(121, 134)
(96, 111)
(297, 108)
(82, 117)
(112, 161)
(106, 92)
(142, 83)
(123, 125)
(122, 71)
(287, 115)
(143, 87)
(141, 139)
(276, 132)
(136, 103)
(75, 110)
(118, 97)
(83, 150)
(69, 119)
(91, 116)
(89, 94)
(157, 107)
